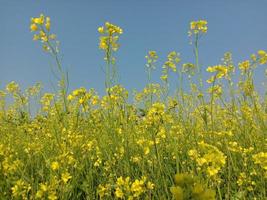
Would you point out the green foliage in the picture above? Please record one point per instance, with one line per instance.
(79, 145)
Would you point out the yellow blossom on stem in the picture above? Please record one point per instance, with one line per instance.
(244, 66)
(55, 166)
(34, 27)
(65, 177)
(198, 26)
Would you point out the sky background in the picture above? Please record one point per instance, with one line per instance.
(237, 26)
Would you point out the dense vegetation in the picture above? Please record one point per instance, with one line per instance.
(198, 143)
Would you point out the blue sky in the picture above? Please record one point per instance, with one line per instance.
(238, 26)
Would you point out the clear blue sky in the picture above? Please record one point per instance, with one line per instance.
(238, 26)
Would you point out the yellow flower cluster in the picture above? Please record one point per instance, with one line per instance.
(127, 189)
(65, 177)
(110, 35)
(47, 191)
(151, 59)
(208, 158)
(46, 101)
(43, 25)
(259, 58)
(116, 96)
(12, 87)
(188, 187)
(189, 68)
(197, 27)
(85, 99)
(155, 113)
(220, 72)
(244, 66)
(170, 64)
(246, 181)
(21, 189)
(152, 55)
(215, 90)
(153, 90)
(55, 166)
(261, 159)
(262, 57)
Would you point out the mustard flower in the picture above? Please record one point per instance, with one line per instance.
(110, 35)
(262, 56)
(54, 165)
(151, 59)
(197, 27)
(43, 24)
(220, 72)
(244, 66)
(65, 177)
(12, 87)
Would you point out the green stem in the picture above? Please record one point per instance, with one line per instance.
(197, 60)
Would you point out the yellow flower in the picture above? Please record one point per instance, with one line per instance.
(12, 87)
(20, 189)
(198, 26)
(52, 196)
(151, 59)
(261, 159)
(220, 72)
(137, 187)
(44, 38)
(150, 185)
(189, 68)
(81, 100)
(212, 171)
(262, 57)
(193, 153)
(244, 66)
(55, 166)
(103, 43)
(216, 90)
(70, 97)
(119, 193)
(109, 40)
(42, 33)
(43, 187)
(38, 20)
(153, 54)
(261, 53)
(34, 27)
(43, 24)
(120, 181)
(103, 190)
(95, 100)
(65, 177)
(164, 77)
(210, 158)
(101, 29)
(146, 150)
